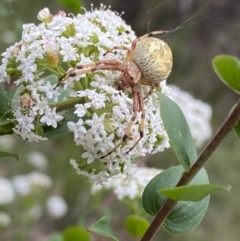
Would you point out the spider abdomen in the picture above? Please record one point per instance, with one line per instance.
(154, 58)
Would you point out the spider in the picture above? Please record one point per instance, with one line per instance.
(147, 62)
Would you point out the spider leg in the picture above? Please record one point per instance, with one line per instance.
(127, 58)
(153, 86)
(135, 93)
(91, 67)
(141, 128)
(117, 47)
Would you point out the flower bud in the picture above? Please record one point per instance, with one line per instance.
(44, 15)
(52, 55)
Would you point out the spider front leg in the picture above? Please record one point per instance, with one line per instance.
(91, 67)
(137, 106)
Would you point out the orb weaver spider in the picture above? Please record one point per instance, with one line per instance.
(148, 62)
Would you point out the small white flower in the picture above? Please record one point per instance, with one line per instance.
(96, 122)
(49, 90)
(25, 184)
(77, 128)
(90, 158)
(37, 159)
(68, 52)
(22, 185)
(25, 123)
(41, 106)
(51, 118)
(40, 179)
(81, 109)
(6, 191)
(131, 187)
(56, 206)
(5, 219)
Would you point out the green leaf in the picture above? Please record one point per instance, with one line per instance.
(193, 193)
(186, 215)
(56, 237)
(103, 228)
(178, 131)
(5, 106)
(53, 133)
(7, 128)
(136, 225)
(4, 121)
(75, 233)
(4, 154)
(227, 68)
(73, 5)
(237, 128)
(62, 129)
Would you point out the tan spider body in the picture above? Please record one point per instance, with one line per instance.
(148, 62)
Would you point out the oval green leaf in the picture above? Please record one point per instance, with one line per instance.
(193, 193)
(136, 225)
(103, 228)
(76, 233)
(186, 215)
(227, 68)
(178, 131)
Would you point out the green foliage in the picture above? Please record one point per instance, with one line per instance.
(53, 133)
(75, 233)
(237, 128)
(73, 5)
(4, 154)
(103, 228)
(227, 69)
(193, 193)
(186, 215)
(5, 113)
(178, 131)
(136, 225)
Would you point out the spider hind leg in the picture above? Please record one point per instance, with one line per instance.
(138, 106)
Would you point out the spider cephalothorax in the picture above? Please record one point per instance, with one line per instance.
(147, 62)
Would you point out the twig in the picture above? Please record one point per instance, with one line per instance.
(167, 207)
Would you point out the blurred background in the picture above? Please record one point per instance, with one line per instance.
(208, 28)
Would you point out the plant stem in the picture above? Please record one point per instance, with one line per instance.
(167, 207)
(66, 104)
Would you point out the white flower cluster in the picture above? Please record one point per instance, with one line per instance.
(87, 105)
(130, 187)
(100, 112)
(25, 184)
(197, 113)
